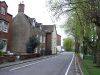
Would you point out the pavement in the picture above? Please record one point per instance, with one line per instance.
(7, 64)
(61, 64)
(75, 68)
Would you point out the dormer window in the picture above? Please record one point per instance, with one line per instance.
(33, 24)
(3, 10)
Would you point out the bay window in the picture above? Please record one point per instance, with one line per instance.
(0, 25)
(5, 27)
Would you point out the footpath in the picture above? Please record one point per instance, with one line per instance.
(75, 68)
(24, 61)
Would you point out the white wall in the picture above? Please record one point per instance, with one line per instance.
(54, 41)
(58, 48)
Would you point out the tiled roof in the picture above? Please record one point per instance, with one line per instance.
(4, 2)
(30, 20)
(48, 28)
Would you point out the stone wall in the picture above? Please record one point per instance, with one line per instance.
(21, 33)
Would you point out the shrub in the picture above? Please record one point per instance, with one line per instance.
(1, 53)
(32, 44)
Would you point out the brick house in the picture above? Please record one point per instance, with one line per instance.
(51, 39)
(58, 42)
(24, 27)
(5, 27)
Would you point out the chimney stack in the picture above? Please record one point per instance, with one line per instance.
(21, 8)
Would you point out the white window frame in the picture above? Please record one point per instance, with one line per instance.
(1, 25)
(40, 39)
(4, 41)
(5, 26)
(3, 10)
(37, 35)
(40, 27)
(43, 39)
(33, 23)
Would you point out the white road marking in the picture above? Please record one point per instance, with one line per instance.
(69, 65)
(80, 67)
(29, 64)
(7, 67)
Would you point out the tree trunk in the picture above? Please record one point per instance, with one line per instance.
(94, 52)
(98, 45)
(76, 45)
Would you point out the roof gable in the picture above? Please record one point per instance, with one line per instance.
(4, 3)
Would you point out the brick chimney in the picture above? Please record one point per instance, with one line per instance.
(21, 8)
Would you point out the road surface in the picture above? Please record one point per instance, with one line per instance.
(62, 64)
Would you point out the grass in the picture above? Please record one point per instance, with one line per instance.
(89, 68)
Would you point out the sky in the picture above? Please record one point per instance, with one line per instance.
(35, 9)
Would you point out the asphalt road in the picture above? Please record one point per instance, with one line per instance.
(57, 65)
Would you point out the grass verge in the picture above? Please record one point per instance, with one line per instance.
(88, 67)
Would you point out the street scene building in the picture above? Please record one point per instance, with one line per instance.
(58, 42)
(25, 28)
(40, 34)
(51, 38)
(22, 31)
(5, 27)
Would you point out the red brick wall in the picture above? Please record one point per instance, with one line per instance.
(48, 41)
(3, 4)
(9, 31)
(7, 17)
(3, 35)
(3, 17)
(58, 40)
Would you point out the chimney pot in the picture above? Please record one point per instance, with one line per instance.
(21, 8)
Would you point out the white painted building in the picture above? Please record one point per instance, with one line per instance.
(51, 39)
(54, 40)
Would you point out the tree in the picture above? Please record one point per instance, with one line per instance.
(88, 14)
(32, 44)
(68, 44)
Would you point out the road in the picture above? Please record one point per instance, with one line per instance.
(62, 64)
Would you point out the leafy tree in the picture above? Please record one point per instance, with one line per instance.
(68, 44)
(83, 24)
(32, 44)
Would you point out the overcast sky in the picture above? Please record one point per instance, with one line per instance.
(34, 9)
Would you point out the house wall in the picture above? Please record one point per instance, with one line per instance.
(43, 41)
(58, 42)
(21, 33)
(41, 36)
(54, 41)
(9, 32)
(48, 43)
(58, 48)
(3, 4)
(6, 36)
(3, 35)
